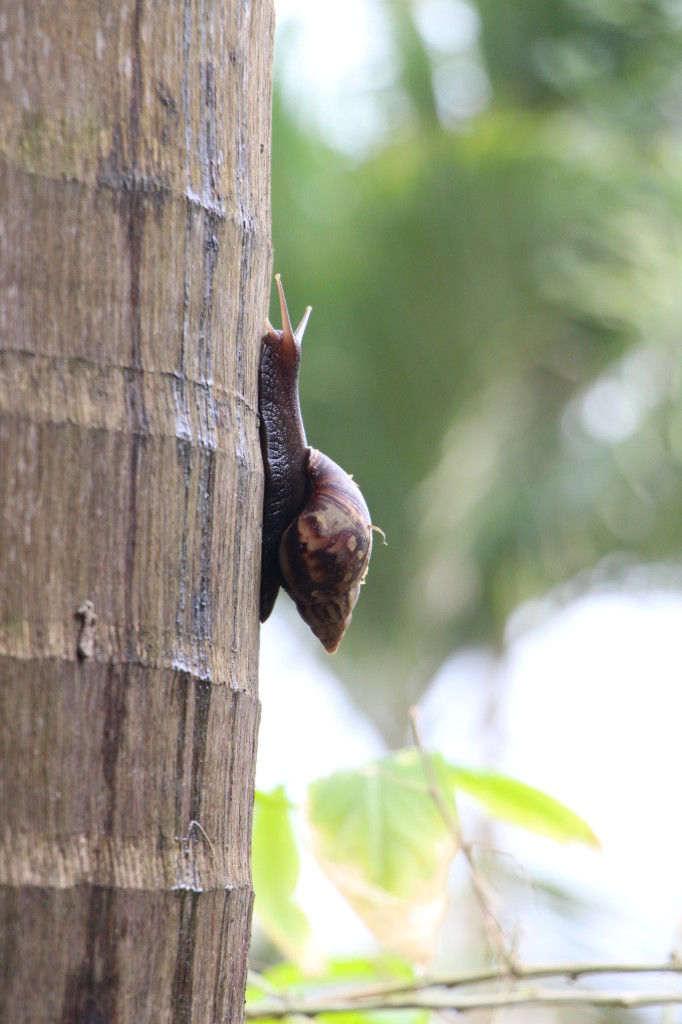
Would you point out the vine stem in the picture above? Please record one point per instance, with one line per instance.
(493, 929)
(439, 1000)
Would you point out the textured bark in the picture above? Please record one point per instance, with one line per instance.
(134, 274)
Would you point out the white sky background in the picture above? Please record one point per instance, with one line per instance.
(592, 714)
(338, 65)
(334, 54)
(593, 708)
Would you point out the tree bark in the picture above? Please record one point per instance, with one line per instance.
(134, 272)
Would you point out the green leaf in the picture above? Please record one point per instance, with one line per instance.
(376, 1017)
(381, 837)
(276, 865)
(523, 805)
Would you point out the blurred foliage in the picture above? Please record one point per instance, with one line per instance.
(275, 864)
(385, 834)
(494, 350)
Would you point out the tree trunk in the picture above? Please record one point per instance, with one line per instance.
(134, 274)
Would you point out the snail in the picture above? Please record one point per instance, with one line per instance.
(317, 532)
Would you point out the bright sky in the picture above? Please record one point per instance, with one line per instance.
(334, 53)
(336, 64)
(592, 715)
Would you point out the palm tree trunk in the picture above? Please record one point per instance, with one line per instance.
(134, 272)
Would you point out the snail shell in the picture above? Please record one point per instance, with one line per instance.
(317, 533)
(324, 553)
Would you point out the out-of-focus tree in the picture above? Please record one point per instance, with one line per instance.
(493, 351)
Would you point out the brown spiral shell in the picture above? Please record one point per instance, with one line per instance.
(324, 553)
(317, 535)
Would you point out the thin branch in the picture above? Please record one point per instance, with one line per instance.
(468, 1004)
(570, 971)
(439, 998)
(494, 930)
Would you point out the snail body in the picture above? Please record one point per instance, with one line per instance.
(317, 531)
